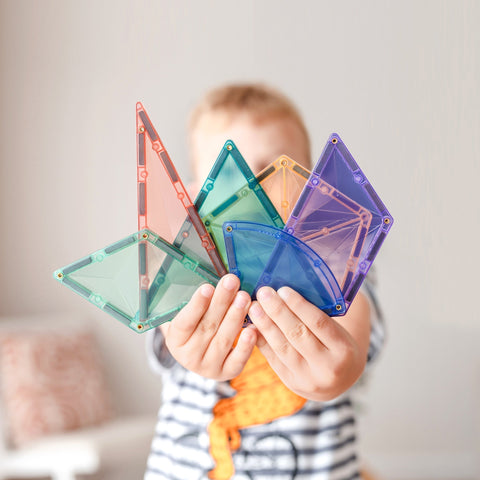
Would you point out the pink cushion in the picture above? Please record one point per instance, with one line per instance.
(51, 383)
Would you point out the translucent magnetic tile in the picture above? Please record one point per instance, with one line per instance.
(263, 255)
(337, 167)
(164, 206)
(333, 225)
(118, 279)
(231, 192)
(283, 180)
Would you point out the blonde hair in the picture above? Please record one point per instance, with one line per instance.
(258, 100)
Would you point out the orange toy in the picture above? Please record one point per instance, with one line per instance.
(261, 397)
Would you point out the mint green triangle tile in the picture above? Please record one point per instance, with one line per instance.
(125, 280)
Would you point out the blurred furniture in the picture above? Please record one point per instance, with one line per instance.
(113, 447)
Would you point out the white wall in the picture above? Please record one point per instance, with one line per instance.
(399, 81)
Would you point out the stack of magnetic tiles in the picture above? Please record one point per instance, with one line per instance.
(317, 232)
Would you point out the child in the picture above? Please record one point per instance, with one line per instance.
(271, 400)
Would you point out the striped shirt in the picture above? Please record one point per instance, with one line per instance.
(318, 442)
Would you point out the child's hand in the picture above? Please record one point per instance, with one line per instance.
(202, 336)
(316, 356)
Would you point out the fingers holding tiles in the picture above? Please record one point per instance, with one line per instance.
(202, 337)
(272, 340)
(282, 307)
(185, 323)
(225, 292)
(221, 344)
(240, 354)
(326, 329)
(199, 320)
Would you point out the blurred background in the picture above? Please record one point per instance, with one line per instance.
(399, 81)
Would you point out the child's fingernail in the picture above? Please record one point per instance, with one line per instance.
(230, 282)
(284, 292)
(241, 300)
(248, 335)
(255, 310)
(264, 293)
(206, 290)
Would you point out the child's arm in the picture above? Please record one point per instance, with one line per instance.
(202, 336)
(316, 356)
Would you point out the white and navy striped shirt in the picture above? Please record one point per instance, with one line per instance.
(316, 443)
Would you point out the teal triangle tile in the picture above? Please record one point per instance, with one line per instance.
(232, 192)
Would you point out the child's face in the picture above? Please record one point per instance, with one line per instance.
(260, 143)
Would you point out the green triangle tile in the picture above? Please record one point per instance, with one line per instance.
(141, 280)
